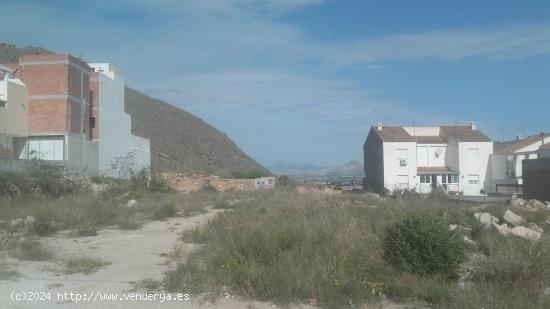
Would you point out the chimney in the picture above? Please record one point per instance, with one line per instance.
(379, 126)
(473, 125)
(542, 138)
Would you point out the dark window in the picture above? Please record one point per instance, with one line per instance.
(3, 103)
(92, 122)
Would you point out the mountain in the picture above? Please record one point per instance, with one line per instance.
(291, 169)
(352, 168)
(179, 141)
(183, 142)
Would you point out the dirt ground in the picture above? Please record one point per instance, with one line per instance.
(134, 255)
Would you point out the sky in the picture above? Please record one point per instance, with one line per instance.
(302, 81)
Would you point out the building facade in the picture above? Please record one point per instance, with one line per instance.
(13, 111)
(454, 158)
(111, 126)
(506, 168)
(67, 112)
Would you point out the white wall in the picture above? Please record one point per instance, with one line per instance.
(142, 152)
(13, 117)
(433, 160)
(116, 141)
(393, 172)
(477, 166)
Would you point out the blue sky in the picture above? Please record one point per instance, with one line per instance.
(302, 81)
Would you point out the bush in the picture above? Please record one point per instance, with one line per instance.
(29, 250)
(164, 211)
(423, 244)
(513, 263)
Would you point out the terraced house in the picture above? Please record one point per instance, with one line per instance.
(452, 157)
(63, 111)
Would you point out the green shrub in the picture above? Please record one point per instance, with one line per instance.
(164, 211)
(84, 265)
(29, 250)
(423, 244)
(514, 263)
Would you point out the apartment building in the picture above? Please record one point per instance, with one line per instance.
(452, 157)
(506, 168)
(13, 111)
(70, 113)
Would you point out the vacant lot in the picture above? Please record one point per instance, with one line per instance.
(275, 246)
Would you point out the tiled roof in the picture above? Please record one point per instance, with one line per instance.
(461, 133)
(465, 134)
(394, 134)
(545, 146)
(429, 139)
(435, 170)
(510, 147)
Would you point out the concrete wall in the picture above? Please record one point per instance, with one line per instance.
(397, 177)
(470, 167)
(13, 117)
(436, 155)
(536, 179)
(141, 149)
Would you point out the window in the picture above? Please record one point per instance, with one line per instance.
(453, 178)
(473, 153)
(402, 153)
(403, 181)
(44, 149)
(473, 179)
(425, 179)
(3, 103)
(92, 122)
(510, 167)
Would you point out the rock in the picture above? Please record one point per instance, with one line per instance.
(469, 241)
(535, 205)
(513, 219)
(524, 232)
(517, 202)
(535, 227)
(486, 218)
(502, 229)
(29, 223)
(13, 190)
(131, 203)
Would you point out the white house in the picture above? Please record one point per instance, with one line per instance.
(453, 157)
(507, 161)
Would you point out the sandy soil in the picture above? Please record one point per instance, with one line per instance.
(134, 255)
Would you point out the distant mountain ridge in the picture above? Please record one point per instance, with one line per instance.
(180, 142)
(352, 168)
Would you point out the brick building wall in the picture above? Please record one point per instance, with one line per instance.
(58, 87)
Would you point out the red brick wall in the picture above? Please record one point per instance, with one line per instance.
(44, 78)
(48, 116)
(94, 102)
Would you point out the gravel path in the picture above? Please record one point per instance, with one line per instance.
(134, 255)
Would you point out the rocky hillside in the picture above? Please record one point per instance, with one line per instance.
(183, 142)
(180, 142)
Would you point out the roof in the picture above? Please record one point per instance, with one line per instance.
(465, 134)
(545, 146)
(510, 147)
(429, 139)
(435, 170)
(461, 133)
(394, 134)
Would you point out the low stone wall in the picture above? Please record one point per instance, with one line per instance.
(186, 183)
